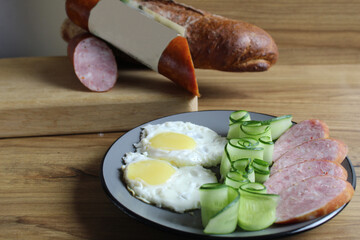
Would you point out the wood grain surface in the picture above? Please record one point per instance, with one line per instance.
(50, 186)
(42, 96)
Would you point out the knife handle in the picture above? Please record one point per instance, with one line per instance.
(79, 11)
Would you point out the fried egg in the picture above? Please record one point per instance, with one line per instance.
(182, 143)
(160, 183)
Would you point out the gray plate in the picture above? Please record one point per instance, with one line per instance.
(188, 223)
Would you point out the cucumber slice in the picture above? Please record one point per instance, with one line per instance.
(250, 173)
(235, 179)
(237, 149)
(260, 165)
(213, 198)
(244, 148)
(268, 145)
(261, 176)
(262, 170)
(255, 129)
(235, 121)
(240, 164)
(239, 116)
(255, 188)
(225, 164)
(225, 219)
(279, 125)
(257, 210)
(234, 130)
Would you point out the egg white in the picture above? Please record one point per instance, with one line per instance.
(208, 150)
(179, 193)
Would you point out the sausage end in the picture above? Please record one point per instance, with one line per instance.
(176, 64)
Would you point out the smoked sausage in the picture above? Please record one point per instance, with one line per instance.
(93, 61)
(299, 133)
(312, 198)
(175, 62)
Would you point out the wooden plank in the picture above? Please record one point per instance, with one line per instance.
(50, 189)
(41, 96)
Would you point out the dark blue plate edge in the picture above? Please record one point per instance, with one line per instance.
(182, 233)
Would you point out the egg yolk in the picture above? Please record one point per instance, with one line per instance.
(153, 172)
(172, 141)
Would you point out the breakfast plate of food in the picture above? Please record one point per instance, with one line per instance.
(173, 171)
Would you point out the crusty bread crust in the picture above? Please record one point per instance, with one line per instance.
(217, 42)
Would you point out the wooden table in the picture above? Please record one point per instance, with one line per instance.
(50, 186)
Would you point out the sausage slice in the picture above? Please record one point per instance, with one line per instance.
(94, 62)
(299, 133)
(319, 149)
(312, 198)
(296, 173)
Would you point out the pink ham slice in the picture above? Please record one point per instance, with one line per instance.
(312, 198)
(296, 173)
(319, 149)
(299, 133)
(94, 62)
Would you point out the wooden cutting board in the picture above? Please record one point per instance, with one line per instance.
(42, 96)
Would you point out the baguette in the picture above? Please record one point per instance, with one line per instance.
(215, 42)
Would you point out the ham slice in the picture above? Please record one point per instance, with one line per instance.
(296, 173)
(319, 149)
(93, 61)
(299, 133)
(312, 198)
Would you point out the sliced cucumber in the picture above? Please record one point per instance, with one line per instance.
(250, 173)
(255, 188)
(213, 198)
(279, 125)
(225, 164)
(235, 120)
(224, 201)
(245, 148)
(261, 176)
(234, 130)
(255, 129)
(268, 145)
(240, 164)
(257, 210)
(235, 179)
(237, 149)
(261, 165)
(239, 116)
(261, 169)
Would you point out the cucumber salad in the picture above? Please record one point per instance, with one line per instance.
(241, 199)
